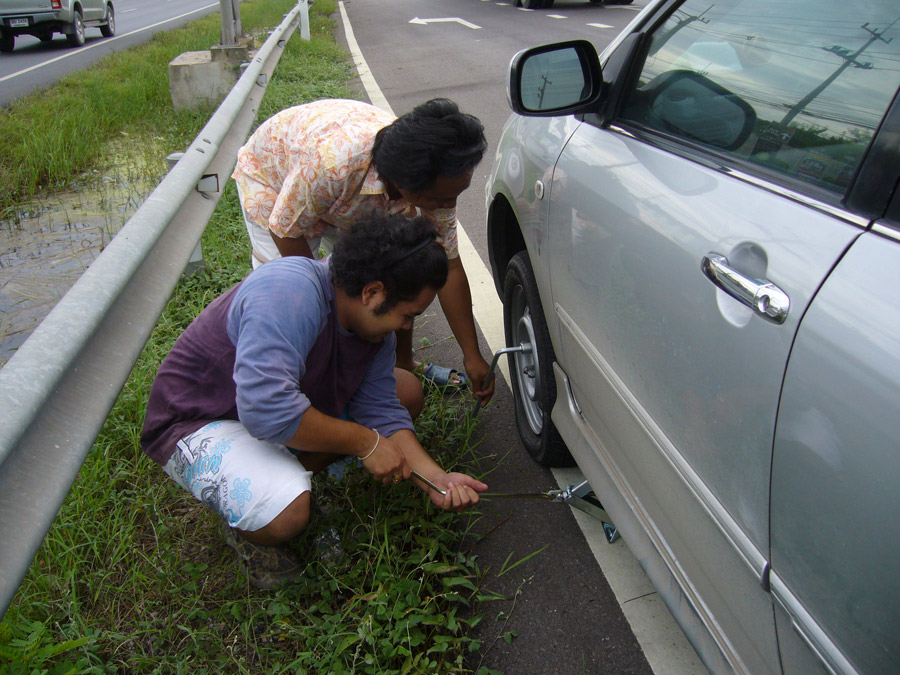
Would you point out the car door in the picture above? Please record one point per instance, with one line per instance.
(94, 10)
(722, 174)
(836, 469)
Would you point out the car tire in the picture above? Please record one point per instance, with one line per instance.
(531, 371)
(533, 4)
(76, 37)
(7, 42)
(108, 29)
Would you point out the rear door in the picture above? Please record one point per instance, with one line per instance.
(836, 472)
(94, 10)
(733, 152)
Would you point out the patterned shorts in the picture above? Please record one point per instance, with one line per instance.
(245, 480)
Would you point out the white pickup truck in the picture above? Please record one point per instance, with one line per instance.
(43, 18)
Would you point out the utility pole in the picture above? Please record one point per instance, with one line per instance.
(849, 60)
(686, 21)
(231, 22)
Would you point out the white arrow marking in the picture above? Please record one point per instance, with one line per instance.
(427, 21)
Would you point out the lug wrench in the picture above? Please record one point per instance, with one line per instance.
(524, 348)
(580, 497)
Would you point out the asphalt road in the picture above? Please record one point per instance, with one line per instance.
(559, 614)
(34, 64)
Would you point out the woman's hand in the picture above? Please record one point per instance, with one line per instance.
(461, 491)
(477, 369)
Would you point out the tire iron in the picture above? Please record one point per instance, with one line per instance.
(579, 497)
(490, 373)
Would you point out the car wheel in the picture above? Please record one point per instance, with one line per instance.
(7, 42)
(531, 370)
(109, 28)
(76, 37)
(533, 4)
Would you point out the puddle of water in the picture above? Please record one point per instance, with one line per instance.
(45, 247)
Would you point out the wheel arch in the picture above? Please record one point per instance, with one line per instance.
(504, 238)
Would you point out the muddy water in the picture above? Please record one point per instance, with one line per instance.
(45, 247)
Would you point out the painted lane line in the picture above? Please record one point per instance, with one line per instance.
(103, 43)
(600, 25)
(556, 16)
(365, 75)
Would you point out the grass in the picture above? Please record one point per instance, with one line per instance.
(55, 134)
(133, 576)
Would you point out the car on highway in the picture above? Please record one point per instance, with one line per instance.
(43, 18)
(696, 238)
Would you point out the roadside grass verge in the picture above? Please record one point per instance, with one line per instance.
(134, 576)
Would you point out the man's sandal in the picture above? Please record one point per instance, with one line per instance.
(443, 377)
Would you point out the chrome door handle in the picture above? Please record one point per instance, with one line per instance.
(760, 295)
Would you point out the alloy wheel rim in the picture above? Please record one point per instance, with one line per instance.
(527, 365)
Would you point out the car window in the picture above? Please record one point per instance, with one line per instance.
(797, 88)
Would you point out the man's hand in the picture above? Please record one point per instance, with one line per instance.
(462, 491)
(387, 462)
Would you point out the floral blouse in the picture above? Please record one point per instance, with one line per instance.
(308, 169)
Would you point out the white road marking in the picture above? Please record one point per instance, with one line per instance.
(102, 43)
(465, 23)
(665, 646)
(600, 25)
(556, 16)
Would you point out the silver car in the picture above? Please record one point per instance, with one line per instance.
(43, 18)
(696, 236)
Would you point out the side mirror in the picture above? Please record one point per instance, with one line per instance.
(693, 106)
(563, 78)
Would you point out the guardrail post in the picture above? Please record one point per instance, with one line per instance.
(304, 19)
(195, 263)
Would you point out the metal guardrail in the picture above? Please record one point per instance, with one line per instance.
(58, 388)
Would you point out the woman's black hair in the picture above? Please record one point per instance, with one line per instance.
(434, 139)
(400, 252)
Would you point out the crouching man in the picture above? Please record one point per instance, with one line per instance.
(292, 369)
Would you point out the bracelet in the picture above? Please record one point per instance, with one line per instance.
(374, 447)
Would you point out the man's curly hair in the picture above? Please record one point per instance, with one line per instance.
(400, 252)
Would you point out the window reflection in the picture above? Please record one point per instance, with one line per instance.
(819, 75)
(552, 80)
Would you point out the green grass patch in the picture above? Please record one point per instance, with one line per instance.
(134, 576)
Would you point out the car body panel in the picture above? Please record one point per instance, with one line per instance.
(835, 530)
(669, 390)
(687, 381)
